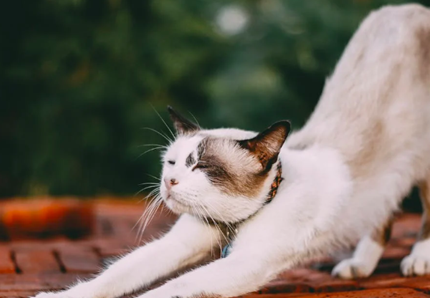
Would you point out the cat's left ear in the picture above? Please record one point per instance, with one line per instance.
(267, 144)
(182, 125)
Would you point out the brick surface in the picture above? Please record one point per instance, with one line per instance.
(334, 285)
(54, 263)
(280, 286)
(377, 293)
(16, 294)
(6, 262)
(79, 261)
(37, 262)
(422, 284)
(395, 252)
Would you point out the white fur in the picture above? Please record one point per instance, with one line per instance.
(332, 194)
(363, 262)
(418, 262)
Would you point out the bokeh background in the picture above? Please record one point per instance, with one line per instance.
(81, 79)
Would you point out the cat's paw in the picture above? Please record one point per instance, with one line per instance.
(415, 265)
(65, 294)
(353, 268)
(418, 262)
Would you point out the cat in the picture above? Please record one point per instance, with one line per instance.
(275, 202)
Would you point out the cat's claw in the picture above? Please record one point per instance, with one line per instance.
(353, 268)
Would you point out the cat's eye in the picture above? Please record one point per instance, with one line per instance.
(171, 162)
(200, 166)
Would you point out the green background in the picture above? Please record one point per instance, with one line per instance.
(79, 80)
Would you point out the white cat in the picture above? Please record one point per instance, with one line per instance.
(335, 181)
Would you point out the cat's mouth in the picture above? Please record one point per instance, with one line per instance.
(177, 205)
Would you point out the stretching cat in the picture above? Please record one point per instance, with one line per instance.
(274, 206)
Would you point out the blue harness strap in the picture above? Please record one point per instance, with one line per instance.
(225, 251)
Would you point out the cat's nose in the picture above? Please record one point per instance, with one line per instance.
(169, 182)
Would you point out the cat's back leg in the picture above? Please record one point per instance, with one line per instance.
(366, 255)
(418, 262)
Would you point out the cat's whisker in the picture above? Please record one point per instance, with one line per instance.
(147, 217)
(153, 145)
(155, 191)
(218, 240)
(210, 216)
(140, 220)
(159, 133)
(159, 116)
(152, 201)
(152, 176)
(150, 183)
(204, 221)
(145, 188)
(228, 225)
(151, 216)
(195, 119)
(147, 151)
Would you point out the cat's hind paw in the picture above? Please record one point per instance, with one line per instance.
(415, 265)
(353, 268)
(418, 262)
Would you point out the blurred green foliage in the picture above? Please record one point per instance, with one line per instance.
(78, 79)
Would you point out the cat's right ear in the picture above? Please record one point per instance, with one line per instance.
(182, 125)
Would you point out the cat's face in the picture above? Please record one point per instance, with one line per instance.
(224, 174)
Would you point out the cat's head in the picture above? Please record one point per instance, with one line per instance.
(224, 174)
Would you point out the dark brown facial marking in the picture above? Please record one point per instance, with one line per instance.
(221, 172)
(190, 160)
(201, 148)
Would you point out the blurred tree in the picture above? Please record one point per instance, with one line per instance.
(80, 78)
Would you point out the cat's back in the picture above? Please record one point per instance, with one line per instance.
(376, 105)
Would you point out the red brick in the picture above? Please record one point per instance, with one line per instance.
(81, 256)
(387, 266)
(407, 242)
(6, 263)
(377, 293)
(383, 281)
(37, 262)
(38, 282)
(122, 228)
(392, 252)
(334, 285)
(108, 252)
(304, 274)
(422, 284)
(17, 294)
(281, 286)
(79, 261)
(23, 219)
(406, 226)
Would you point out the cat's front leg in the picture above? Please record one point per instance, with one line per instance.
(237, 274)
(188, 242)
